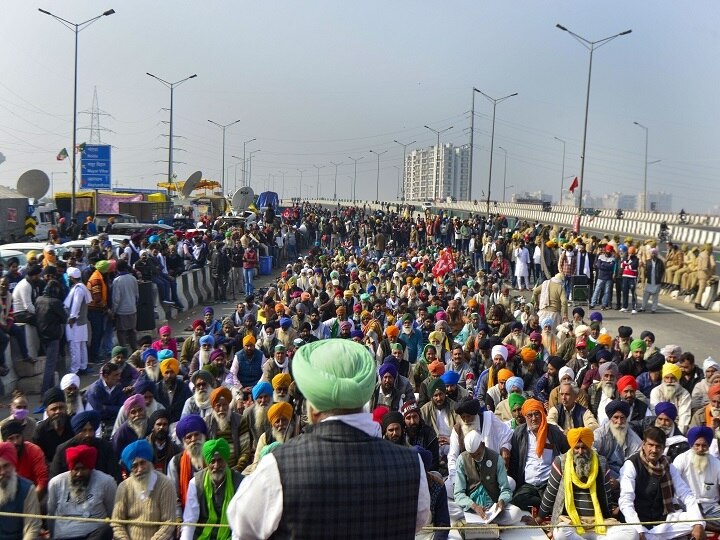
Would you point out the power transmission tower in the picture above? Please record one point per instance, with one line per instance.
(95, 128)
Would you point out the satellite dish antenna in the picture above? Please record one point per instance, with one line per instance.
(33, 184)
(191, 183)
(242, 198)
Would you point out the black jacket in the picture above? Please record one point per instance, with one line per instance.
(51, 318)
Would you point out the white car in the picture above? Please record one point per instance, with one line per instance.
(427, 204)
(7, 254)
(25, 247)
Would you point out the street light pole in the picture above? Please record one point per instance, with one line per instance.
(504, 171)
(245, 162)
(404, 167)
(250, 166)
(301, 171)
(591, 46)
(76, 28)
(223, 127)
(335, 189)
(645, 204)
(562, 173)
(355, 179)
(317, 189)
(492, 138)
(436, 184)
(377, 181)
(283, 184)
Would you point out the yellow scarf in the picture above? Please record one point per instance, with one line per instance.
(570, 479)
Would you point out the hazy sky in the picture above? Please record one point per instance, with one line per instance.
(319, 81)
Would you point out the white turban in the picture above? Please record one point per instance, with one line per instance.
(68, 380)
(473, 440)
(566, 371)
(710, 362)
(501, 350)
(581, 330)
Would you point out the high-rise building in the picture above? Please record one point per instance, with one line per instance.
(433, 175)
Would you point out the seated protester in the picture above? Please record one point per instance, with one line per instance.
(268, 339)
(489, 377)
(639, 410)
(218, 369)
(671, 391)
(228, 338)
(135, 425)
(515, 403)
(393, 428)
(166, 341)
(590, 374)
(163, 446)
(534, 447)
(615, 440)
(459, 362)
(651, 378)
(550, 379)
(567, 374)
(281, 388)
(201, 358)
(191, 344)
(55, 429)
(305, 333)
(230, 426)
(106, 396)
(203, 383)
(648, 485)
(128, 374)
(439, 511)
(605, 391)
(528, 365)
(279, 416)
(210, 491)
(514, 385)
(701, 472)
(436, 369)
(454, 391)
(676, 443)
(691, 374)
(19, 412)
(699, 395)
(137, 358)
(247, 365)
(146, 389)
(420, 370)
(84, 426)
(497, 393)
(481, 481)
(279, 363)
(30, 458)
(634, 364)
(418, 433)
(75, 401)
(150, 369)
(578, 498)
(493, 432)
(172, 393)
(82, 490)
(439, 413)
(19, 497)
(386, 391)
(212, 325)
(569, 414)
(256, 414)
(709, 415)
(191, 430)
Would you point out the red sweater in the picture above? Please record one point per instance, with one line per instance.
(31, 465)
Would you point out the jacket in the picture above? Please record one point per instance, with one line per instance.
(51, 318)
(519, 451)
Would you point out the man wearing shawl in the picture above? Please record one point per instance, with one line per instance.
(134, 427)
(191, 430)
(616, 440)
(439, 413)
(648, 484)
(513, 385)
(146, 495)
(231, 426)
(387, 392)
(578, 492)
(18, 496)
(671, 391)
(172, 392)
(84, 491)
(535, 445)
(489, 377)
(389, 496)
(209, 494)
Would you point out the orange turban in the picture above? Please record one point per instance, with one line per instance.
(580, 434)
(605, 339)
(392, 331)
(533, 405)
(504, 374)
(528, 355)
(279, 410)
(436, 368)
(249, 340)
(220, 392)
(472, 303)
(713, 391)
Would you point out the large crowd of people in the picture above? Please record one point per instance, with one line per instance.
(405, 374)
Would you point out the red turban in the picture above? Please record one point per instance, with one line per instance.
(8, 453)
(82, 453)
(713, 391)
(436, 368)
(625, 381)
(533, 405)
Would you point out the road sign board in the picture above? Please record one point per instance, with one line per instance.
(96, 167)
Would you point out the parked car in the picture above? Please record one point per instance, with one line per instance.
(101, 220)
(129, 229)
(7, 254)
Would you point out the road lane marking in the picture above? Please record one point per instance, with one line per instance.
(691, 315)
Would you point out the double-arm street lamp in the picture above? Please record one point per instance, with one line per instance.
(436, 184)
(404, 167)
(223, 127)
(377, 182)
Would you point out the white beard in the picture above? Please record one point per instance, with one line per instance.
(261, 415)
(699, 462)
(473, 426)
(223, 422)
(668, 391)
(202, 399)
(668, 430)
(195, 451)
(407, 331)
(277, 398)
(608, 389)
(279, 435)
(582, 466)
(139, 427)
(140, 483)
(203, 358)
(9, 490)
(153, 374)
(619, 433)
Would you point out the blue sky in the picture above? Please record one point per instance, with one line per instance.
(319, 81)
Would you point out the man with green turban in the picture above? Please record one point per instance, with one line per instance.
(515, 401)
(302, 486)
(209, 494)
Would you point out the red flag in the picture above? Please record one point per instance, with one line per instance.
(574, 185)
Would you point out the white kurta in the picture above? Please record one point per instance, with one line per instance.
(704, 485)
(73, 303)
(522, 262)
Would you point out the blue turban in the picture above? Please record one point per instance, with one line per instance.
(666, 408)
(208, 310)
(425, 455)
(138, 449)
(263, 387)
(514, 381)
(154, 238)
(285, 322)
(78, 421)
(547, 322)
(388, 367)
(190, 423)
(356, 334)
(164, 354)
(207, 340)
(699, 432)
(450, 377)
(617, 405)
(603, 355)
(143, 385)
(148, 353)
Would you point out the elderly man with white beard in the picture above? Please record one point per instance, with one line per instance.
(279, 363)
(147, 389)
(17, 496)
(256, 414)
(616, 441)
(603, 392)
(191, 345)
(281, 387)
(279, 416)
(150, 366)
(203, 383)
(671, 391)
(201, 358)
(81, 491)
(701, 473)
(191, 430)
(76, 402)
(146, 495)
(135, 427)
(675, 443)
(231, 426)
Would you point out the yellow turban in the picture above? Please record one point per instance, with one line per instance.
(528, 355)
(580, 434)
(504, 374)
(281, 380)
(249, 340)
(279, 410)
(169, 363)
(605, 339)
(671, 369)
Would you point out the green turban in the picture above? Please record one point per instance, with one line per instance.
(268, 448)
(638, 345)
(215, 445)
(435, 384)
(515, 399)
(432, 310)
(335, 374)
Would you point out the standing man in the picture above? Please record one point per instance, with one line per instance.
(390, 495)
(551, 300)
(76, 330)
(654, 272)
(125, 296)
(17, 496)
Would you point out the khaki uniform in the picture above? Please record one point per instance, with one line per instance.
(690, 266)
(689, 280)
(705, 270)
(675, 261)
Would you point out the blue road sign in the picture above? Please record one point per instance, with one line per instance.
(96, 167)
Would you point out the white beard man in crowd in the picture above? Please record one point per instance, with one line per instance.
(13, 487)
(671, 391)
(199, 403)
(256, 413)
(281, 387)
